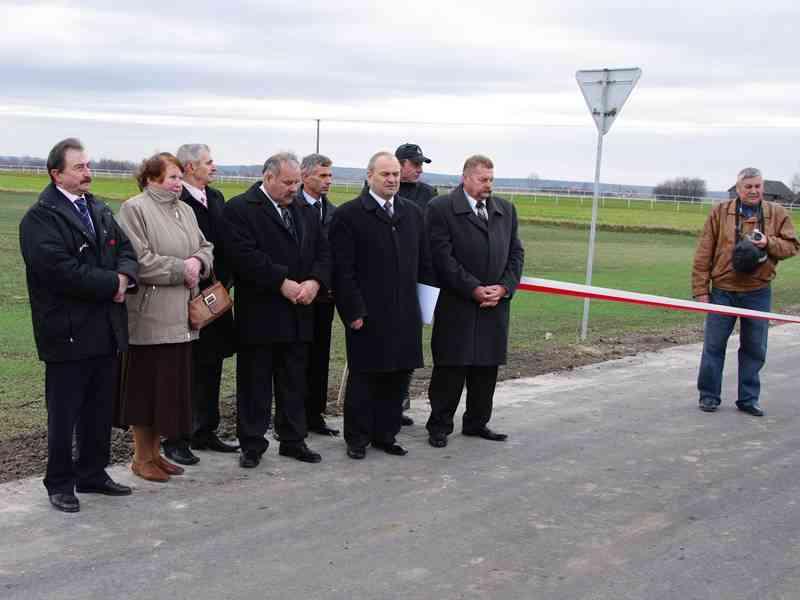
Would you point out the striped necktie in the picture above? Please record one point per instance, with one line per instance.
(83, 212)
(481, 207)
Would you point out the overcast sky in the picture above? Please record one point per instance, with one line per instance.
(719, 89)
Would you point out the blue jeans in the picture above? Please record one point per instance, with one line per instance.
(752, 345)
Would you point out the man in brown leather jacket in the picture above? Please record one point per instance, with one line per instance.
(719, 278)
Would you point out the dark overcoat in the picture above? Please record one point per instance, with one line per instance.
(261, 254)
(466, 254)
(72, 278)
(217, 339)
(419, 192)
(377, 264)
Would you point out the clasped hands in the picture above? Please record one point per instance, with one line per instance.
(300, 293)
(191, 272)
(119, 296)
(488, 296)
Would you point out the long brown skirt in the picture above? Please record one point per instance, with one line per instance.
(156, 388)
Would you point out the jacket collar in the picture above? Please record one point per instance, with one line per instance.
(461, 206)
(371, 205)
(766, 208)
(255, 196)
(161, 196)
(54, 200)
(301, 197)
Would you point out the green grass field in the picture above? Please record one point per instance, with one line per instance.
(562, 210)
(657, 263)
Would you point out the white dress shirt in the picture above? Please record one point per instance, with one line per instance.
(474, 204)
(196, 193)
(381, 202)
(275, 204)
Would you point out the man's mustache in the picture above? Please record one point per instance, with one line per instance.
(86, 180)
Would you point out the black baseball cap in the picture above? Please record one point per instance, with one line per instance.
(411, 152)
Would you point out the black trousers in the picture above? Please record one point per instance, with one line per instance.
(318, 363)
(373, 407)
(444, 393)
(260, 371)
(79, 396)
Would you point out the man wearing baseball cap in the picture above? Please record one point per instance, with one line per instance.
(411, 158)
(411, 188)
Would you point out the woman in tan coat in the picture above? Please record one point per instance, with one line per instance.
(155, 395)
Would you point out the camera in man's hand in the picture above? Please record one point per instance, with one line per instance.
(756, 236)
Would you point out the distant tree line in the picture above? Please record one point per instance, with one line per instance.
(687, 187)
(23, 161)
(109, 164)
(104, 164)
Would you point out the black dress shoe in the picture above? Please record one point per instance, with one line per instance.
(108, 488)
(356, 452)
(437, 440)
(394, 449)
(249, 459)
(299, 451)
(406, 421)
(180, 454)
(487, 434)
(213, 443)
(751, 409)
(324, 430)
(65, 502)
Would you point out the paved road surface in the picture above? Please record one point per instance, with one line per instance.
(612, 486)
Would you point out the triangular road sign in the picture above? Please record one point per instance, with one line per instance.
(605, 91)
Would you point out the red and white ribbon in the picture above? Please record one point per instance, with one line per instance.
(548, 286)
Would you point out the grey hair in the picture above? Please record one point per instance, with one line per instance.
(477, 160)
(376, 156)
(190, 153)
(748, 173)
(312, 161)
(273, 163)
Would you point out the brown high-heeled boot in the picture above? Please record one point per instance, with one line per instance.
(161, 462)
(149, 470)
(143, 464)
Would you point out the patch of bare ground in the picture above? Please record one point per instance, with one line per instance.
(25, 455)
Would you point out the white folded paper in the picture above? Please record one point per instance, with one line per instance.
(428, 296)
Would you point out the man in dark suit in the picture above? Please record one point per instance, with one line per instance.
(379, 253)
(317, 176)
(79, 266)
(280, 262)
(478, 260)
(420, 193)
(217, 338)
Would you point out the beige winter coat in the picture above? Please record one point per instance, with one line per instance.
(164, 232)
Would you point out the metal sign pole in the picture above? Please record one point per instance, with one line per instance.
(595, 199)
(317, 136)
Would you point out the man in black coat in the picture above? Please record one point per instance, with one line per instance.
(377, 241)
(217, 339)
(79, 265)
(478, 260)
(420, 193)
(280, 262)
(317, 176)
